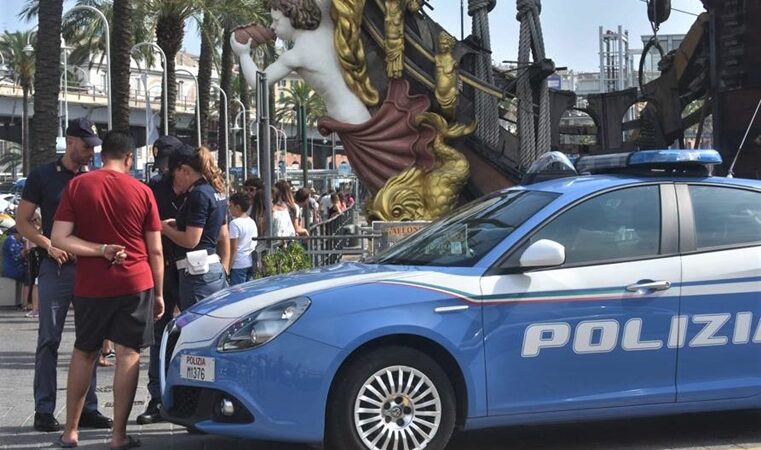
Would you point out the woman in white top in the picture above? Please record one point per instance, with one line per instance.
(282, 225)
(243, 234)
(284, 188)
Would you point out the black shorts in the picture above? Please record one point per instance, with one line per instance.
(126, 320)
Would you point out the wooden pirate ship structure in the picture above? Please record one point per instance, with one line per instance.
(427, 122)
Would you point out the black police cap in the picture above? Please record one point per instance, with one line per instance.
(182, 155)
(86, 130)
(165, 146)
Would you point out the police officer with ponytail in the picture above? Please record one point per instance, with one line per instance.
(199, 221)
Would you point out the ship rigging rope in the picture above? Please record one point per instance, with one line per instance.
(532, 142)
(654, 42)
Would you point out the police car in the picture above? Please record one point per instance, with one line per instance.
(623, 285)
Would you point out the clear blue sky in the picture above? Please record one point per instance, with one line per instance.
(570, 26)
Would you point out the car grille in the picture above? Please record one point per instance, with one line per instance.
(185, 401)
(194, 404)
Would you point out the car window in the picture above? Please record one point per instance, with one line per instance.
(623, 224)
(465, 236)
(725, 216)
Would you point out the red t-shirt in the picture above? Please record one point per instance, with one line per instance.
(109, 207)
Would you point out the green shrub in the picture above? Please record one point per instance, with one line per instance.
(285, 260)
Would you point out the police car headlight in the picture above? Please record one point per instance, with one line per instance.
(262, 326)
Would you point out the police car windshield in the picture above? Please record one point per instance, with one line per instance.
(466, 235)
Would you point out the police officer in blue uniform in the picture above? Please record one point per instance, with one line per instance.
(44, 189)
(200, 219)
(168, 201)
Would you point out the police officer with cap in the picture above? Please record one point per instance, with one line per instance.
(162, 150)
(44, 188)
(168, 200)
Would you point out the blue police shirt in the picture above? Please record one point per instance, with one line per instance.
(168, 203)
(203, 208)
(44, 187)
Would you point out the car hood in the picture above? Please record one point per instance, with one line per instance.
(246, 298)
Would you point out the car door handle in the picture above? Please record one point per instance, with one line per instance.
(647, 285)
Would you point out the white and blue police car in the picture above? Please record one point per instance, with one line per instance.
(628, 285)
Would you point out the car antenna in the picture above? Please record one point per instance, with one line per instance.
(731, 172)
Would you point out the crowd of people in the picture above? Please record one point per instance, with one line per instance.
(128, 256)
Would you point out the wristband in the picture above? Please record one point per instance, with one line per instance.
(103, 250)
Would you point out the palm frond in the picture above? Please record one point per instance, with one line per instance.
(20, 65)
(299, 93)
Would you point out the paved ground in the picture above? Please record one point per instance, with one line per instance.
(740, 430)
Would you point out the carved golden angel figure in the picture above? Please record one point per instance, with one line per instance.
(447, 76)
(395, 34)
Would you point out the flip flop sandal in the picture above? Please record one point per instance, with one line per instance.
(103, 362)
(131, 443)
(60, 443)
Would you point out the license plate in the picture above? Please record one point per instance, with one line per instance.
(197, 368)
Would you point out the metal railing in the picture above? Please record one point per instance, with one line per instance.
(330, 241)
(327, 243)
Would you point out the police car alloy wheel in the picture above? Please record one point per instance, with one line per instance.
(393, 397)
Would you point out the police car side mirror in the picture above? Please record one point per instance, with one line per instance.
(543, 253)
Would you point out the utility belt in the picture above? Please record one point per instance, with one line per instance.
(197, 262)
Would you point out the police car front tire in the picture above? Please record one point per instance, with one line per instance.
(389, 397)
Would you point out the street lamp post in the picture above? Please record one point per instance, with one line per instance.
(302, 117)
(164, 80)
(236, 127)
(25, 151)
(227, 134)
(28, 49)
(108, 53)
(85, 83)
(278, 133)
(65, 74)
(198, 105)
(252, 127)
(245, 137)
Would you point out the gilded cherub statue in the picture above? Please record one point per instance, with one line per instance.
(394, 43)
(447, 77)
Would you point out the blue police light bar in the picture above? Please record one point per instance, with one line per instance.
(648, 159)
(598, 163)
(676, 157)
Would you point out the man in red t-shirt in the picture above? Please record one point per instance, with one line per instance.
(111, 222)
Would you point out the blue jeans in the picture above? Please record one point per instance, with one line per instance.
(194, 288)
(240, 276)
(56, 286)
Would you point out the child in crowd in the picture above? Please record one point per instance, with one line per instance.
(33, 259)
(243, 232)
(14, 263)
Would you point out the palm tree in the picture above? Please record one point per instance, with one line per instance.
(121, 44)
(225, 82)
(47, 67)
(299, 93)
(21, 68)
(83, 31)
(205, 62)
(228, 15)
(170, 30)
(11, 159)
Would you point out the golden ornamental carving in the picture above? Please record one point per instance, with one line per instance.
(447, 76)
(416, 194)
(394, 40)
(347, 18)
